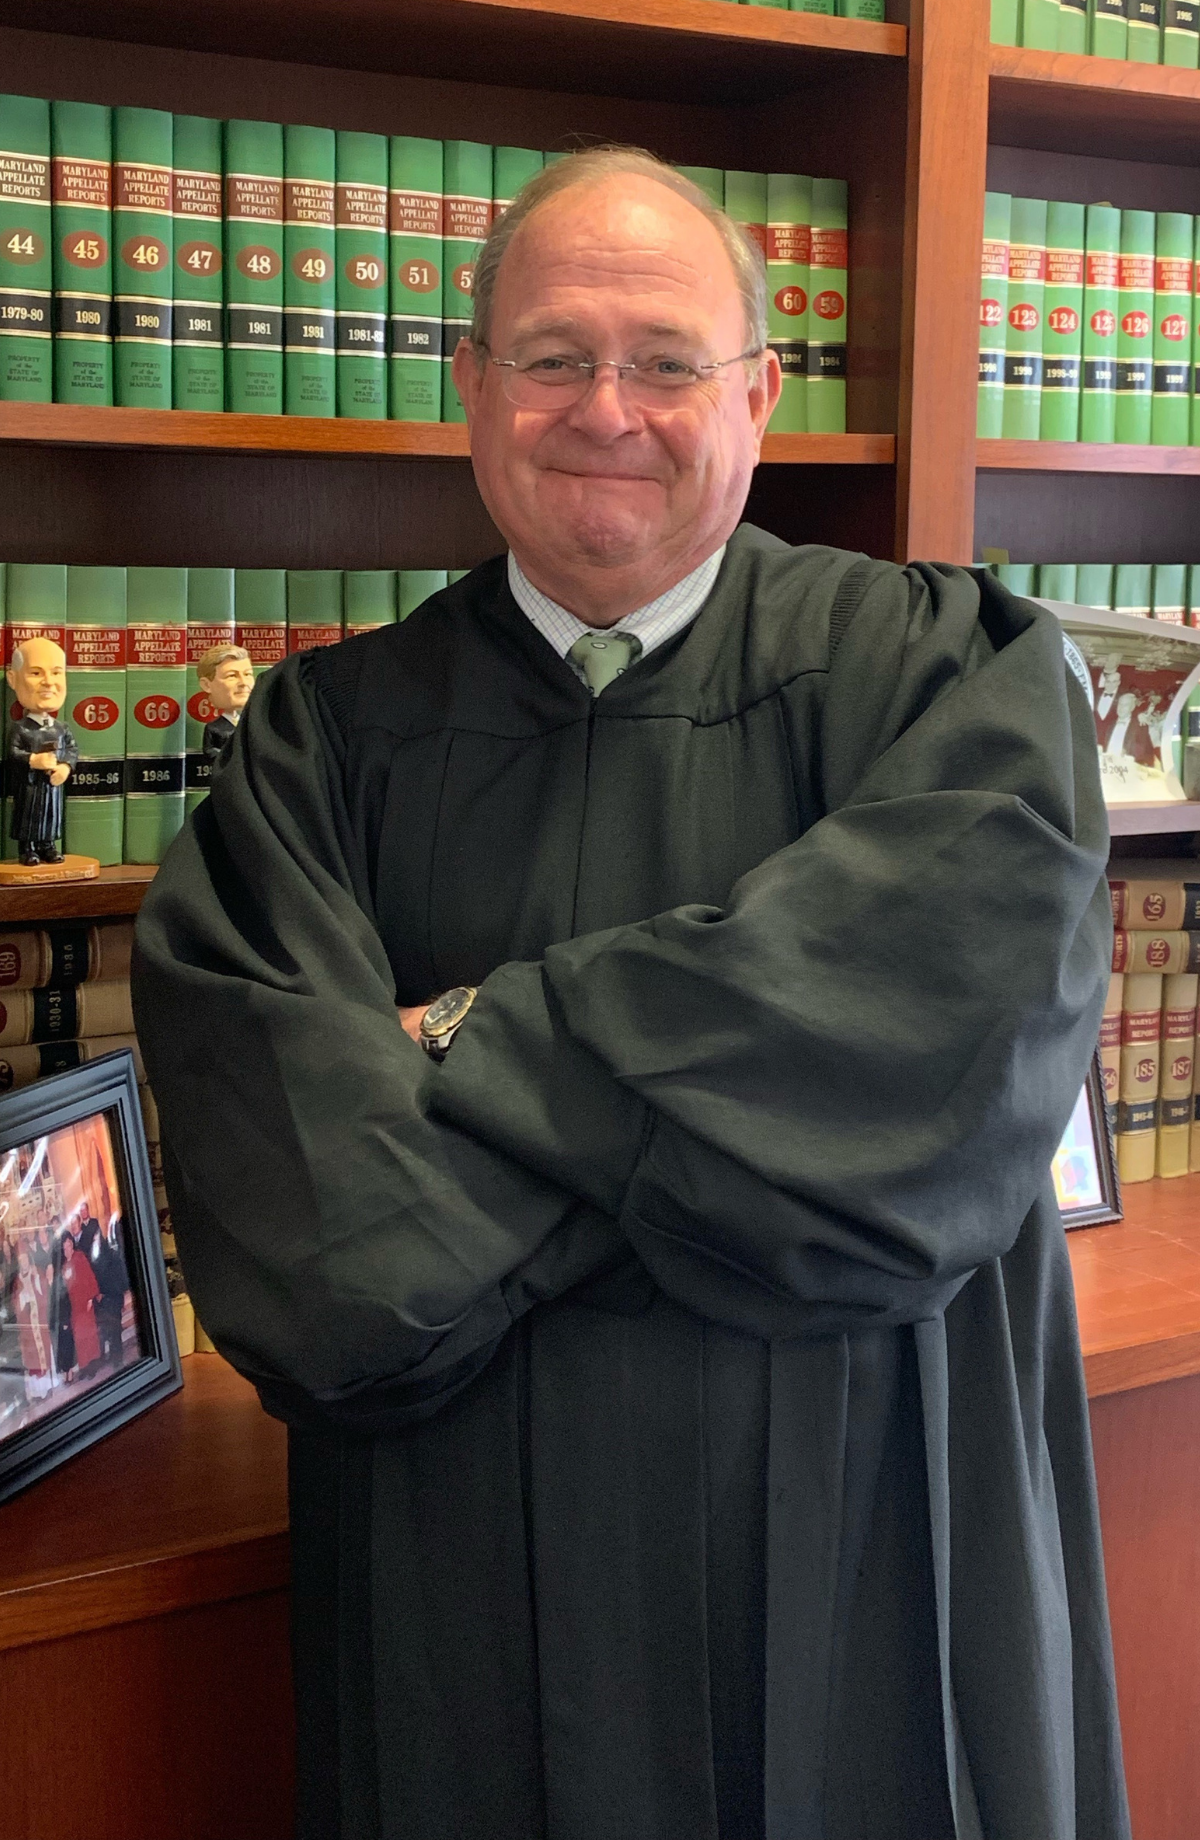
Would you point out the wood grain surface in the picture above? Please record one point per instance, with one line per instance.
(1058, 100)
(114, 891)
(1137, 1288)
(1146, 1445)
(939, 347)
(648, 48)
(1085, 457)
(187, 1505)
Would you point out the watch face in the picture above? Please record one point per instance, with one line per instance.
(446, 1011)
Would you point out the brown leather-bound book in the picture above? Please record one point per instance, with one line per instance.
(65, 953)
(1141, 1067)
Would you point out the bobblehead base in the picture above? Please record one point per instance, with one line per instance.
(70, 869)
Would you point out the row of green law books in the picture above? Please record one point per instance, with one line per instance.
(133, 638)
(1168, 591)
(1142, 31)
(1089, 326)
(159, 261)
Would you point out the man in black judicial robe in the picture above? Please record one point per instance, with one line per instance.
(688, 1433)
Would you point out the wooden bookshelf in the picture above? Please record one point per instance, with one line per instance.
(1086, 457)
(1137, 1286)
(1060, 101)
(1153, 820)
(113, 892)
(684, 48)
(65, 425)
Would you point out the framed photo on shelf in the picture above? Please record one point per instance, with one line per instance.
(1085, 1164)
(87, 1340)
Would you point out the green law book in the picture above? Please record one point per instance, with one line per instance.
(1181, 34)
(368, 600)
(1094, 584)
(35, 607)
(512, 167)
(1108, 28)
(860, 9)
(1072, 25)
(453, 575)
(260, 615)
(415, 279)
(1101, 300)
(1135, 344)
(254, 267)
(314, 608)
(993, 314)
(782, 3)
(708, 179)
(1018, 577)
(746, 202)
(143, 283)
(210, 621)
(156, 693)
(81, 187)
(26, 272)
(1058, 581)
(309, 272)
(94, 809)
(828, 7)
(1006, 22)
(826, 405)
(198, 352)
(1145, 31)
(1133, 588)
(1062, 348)
(1023, 338)
(467, 213)
(1174, 275)
(789, 271)
(362, 267)
(1170, 591)
(416, 585)
(1039, 25)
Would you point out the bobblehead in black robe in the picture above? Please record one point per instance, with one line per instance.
(216, 734)
(37, 818)
(689, 1438)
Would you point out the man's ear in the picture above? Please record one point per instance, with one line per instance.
(467, 371)
(765, 389)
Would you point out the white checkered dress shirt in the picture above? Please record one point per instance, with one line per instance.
(653, 624)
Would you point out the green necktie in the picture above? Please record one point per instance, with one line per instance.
(601, 656)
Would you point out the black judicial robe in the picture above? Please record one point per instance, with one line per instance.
(688, 1433)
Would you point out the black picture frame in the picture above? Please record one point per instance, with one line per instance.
(1103, 1152)
(106, 1090)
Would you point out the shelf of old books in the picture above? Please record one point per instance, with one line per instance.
(113, 892)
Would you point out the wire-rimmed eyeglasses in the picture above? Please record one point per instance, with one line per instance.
(555, 381)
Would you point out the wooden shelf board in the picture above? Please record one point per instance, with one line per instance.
(65, 425)
(185, 1506)
(691, 49)
(113, 892)
(1084, 457)
(1060, 101)
(1137, 1287)
(1153, 820)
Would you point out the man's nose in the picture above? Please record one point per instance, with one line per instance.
(605, 411)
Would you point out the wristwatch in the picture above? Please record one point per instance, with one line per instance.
(443, 1019)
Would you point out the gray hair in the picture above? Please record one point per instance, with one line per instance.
(589, 168)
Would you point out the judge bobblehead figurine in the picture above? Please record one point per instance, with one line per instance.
(41, 753)
(226, 676)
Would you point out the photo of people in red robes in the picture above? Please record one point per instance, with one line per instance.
(67, 1316)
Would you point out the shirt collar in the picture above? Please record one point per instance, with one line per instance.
(655, 623)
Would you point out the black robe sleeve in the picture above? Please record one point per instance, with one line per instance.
(354, 1258)
(855, 1074)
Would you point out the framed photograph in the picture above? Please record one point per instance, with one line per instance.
(1085, 1165)
(87, 1339)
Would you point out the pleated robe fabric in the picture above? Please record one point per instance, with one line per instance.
(688, 1433)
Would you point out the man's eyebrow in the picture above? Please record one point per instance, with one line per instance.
(573, 328)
